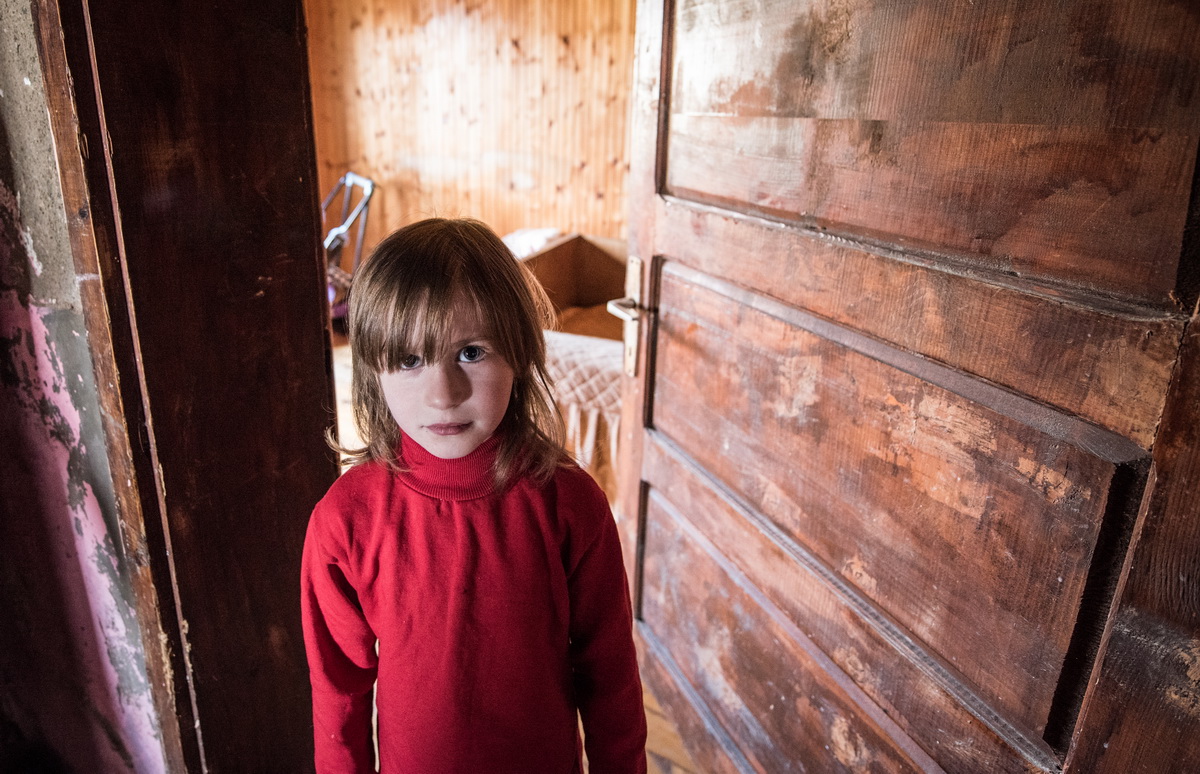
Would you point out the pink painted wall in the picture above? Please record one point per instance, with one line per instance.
(73, 686)
(71, 659)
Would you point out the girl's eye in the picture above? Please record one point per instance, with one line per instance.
(410, 362)
(471, 354)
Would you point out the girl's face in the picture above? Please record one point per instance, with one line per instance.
(452, 405)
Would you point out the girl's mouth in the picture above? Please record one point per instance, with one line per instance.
(448, 429)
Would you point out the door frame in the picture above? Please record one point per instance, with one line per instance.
(93, 74)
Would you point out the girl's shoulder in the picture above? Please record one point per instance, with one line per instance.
(354, 491)
(577, 496)
(363, 475)
(345, 516)
(569, 473)
(582, 513)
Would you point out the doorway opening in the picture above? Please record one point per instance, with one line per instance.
(516, 114)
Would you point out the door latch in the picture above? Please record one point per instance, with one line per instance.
(629, 310)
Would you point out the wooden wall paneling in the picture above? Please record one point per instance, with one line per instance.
(769, 686)
(968, 526)
(220, 252)
(926, 696)
(1142, 711)
(512, 112)
(919, 123)
(1106, 363)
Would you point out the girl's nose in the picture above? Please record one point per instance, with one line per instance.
(448, 386)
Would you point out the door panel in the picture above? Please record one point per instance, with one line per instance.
(1099, 222)
(998, 61)
(926, 699)
(969, 528)
(1103, 362)
(997, 130)
(761, 676)
(911, 316)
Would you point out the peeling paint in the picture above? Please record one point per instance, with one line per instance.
(1186, 696)
(56, 409)
(855, 569)
(1184, 699)
(850, 661)
(89, 460)
(718, 686)
(1053, 485)
(796, 388)
(938, 441)
(14, 269)
(71, 658)
(848, 746)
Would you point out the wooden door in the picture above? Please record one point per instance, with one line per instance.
(917, 281)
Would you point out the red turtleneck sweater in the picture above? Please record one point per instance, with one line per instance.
(498, 614)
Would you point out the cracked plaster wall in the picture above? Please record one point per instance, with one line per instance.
(73, 687)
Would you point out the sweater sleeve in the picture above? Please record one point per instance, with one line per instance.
(342, 659)
(604, 661)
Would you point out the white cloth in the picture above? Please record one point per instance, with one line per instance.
(587, 385)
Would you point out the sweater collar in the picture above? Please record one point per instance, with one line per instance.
(465, 478)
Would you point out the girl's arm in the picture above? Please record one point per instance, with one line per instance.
(341, 659)
(607, 686)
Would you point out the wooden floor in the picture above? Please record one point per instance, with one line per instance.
(664, 749)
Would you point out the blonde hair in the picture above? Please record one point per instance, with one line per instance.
(401, 303)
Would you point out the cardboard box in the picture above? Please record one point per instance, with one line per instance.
(581, 274)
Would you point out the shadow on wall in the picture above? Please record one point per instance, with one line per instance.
(72, 682)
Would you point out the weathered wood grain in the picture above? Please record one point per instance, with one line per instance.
(1108, 366)
(221, 255)
(927, 697)
(1001, 133)
(650, 64)
(1103, 63)
(787, 707)
(990, 199)
(1107, 217)
(696, 725)
(1142, 711)
(970, 528)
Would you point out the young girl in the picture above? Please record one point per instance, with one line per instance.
(464, 565)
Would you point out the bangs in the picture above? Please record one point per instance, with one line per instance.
(420, 319)
(417, 324)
